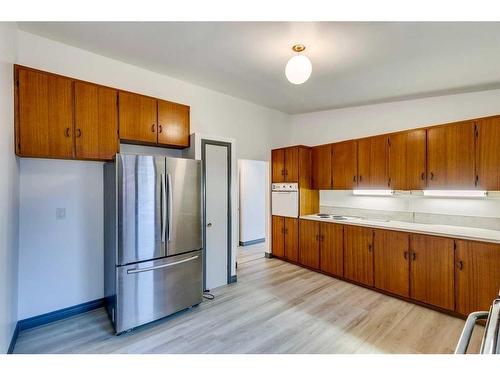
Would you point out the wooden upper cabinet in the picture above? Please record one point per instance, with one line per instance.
(309, 238)
(407, 160)
(292, 164)
(96, 121)
(432, 270)
(322, 167)
(278, 165)
(45, 119)
(488, 154)
(450, 156)
(332, 249)
(477, 275)
(173, 124)
(344, 165)
(292, 239)
(392, 262)
(278, 236)
(358, 254)
(372, 162)
(137, 118)
(416, 159)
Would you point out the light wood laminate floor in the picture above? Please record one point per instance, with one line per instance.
(275, 307)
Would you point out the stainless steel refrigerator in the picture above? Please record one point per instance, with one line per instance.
(152, 238)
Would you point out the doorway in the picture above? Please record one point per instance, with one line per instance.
(216, 157)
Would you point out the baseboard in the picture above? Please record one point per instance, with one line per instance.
(53, 316)
(13, 340)
(233, 279)
(252, 242)
(268, 255)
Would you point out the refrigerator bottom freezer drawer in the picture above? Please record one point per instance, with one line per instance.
(152, 290)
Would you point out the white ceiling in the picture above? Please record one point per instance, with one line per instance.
(354, 63)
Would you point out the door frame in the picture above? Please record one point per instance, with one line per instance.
(204, 143)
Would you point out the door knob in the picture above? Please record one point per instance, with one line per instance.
(209, 225)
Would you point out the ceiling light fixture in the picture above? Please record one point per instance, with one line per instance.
(298, 68)
(373, 192)
(455, 193)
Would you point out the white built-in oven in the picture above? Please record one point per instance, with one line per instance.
(285, 199)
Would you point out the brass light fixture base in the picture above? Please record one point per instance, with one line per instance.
(299, 48)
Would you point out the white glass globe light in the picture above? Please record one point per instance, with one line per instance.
(298, 69)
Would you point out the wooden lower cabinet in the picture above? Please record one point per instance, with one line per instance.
(291, 239)
(432, 270)
(477, 275)
(392, 261)
(309, 241)
(278, 236)
(358, 254)
(332, 249)
(285, 237)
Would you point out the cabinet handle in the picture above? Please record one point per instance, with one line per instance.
(67, 133)
(477, 180)
(360, 178)
(282, 230)
(422, 176)
(78, 133)
(389, 182)
(370, 247)
(414, 255)
(153, 128)
(317, 237)
(460, 265)
(160, 128)
(432, 176)
(406, 254)
(354, 179)
(282, 172)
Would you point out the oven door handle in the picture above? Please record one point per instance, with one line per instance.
(470, 323)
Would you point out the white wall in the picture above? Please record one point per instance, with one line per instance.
(253, 187)
(9, 196)
(254, 129)
(341, 124)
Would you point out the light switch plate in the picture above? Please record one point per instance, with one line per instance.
(60, 213)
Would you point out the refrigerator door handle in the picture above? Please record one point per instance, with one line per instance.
(163, 207)
(138, 270)
(170, 203)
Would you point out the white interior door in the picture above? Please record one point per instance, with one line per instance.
(216, 187)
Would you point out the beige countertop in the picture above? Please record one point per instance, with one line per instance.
(465, 233)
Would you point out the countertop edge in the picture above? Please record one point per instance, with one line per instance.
(407, 230)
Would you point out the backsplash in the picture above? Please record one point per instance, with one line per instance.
(467, 212)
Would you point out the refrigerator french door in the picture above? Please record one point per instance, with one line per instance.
(153, 225)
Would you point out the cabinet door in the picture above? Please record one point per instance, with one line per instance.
(488, 154)
(332, 249)
(137, 115)
(416, 164)
(45, 117)
(372, 162)
(278, 165)
(292, 164)
(407, 160)
(96, 122)
(173, 124)
(345, 165)
(309, 237)
(322, 167)
(292, 239)
(358, 254)
(432, 270)
(278, 234)
(477, 275)
(392, 264)
(450, 156)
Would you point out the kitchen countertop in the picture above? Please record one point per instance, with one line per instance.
(465, 233)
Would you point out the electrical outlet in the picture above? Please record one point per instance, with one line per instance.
(60, 213)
